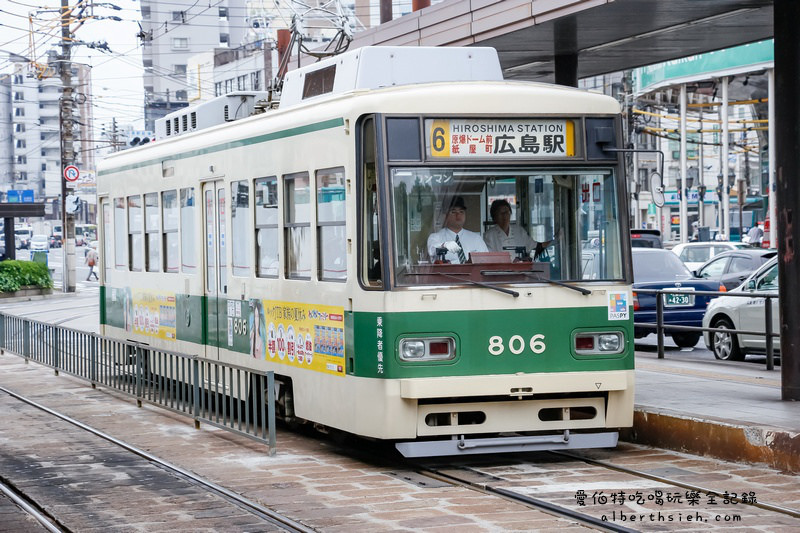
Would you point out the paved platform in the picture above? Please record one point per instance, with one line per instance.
(727, 410)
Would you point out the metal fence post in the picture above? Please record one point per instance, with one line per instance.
(196, 392)
(94, 341)
(139, 376)
(660, 323)
(26, 339)
(271, 410)
(56, 348)
(2, 334)
(768, 329)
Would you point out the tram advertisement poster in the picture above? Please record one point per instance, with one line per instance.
(500, 139)
(151, 313)
(298, 334)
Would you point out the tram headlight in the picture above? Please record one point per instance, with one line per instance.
(428, 349)
(609, 342)
(598, 343)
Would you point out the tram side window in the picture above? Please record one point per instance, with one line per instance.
(331, 235)
(169, 235)
(371, 266)
(297, 206)
(188, 231)
(120, 235)
(107, 236)
(135, 222)
(267, 219)
(152, 223)
(240, 225)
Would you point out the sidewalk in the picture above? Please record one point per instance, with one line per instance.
(731, 411)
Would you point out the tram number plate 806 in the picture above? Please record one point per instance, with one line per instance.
(517, 344)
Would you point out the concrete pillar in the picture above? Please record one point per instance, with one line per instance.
(682, 189)
(787, 134)
(565, 47)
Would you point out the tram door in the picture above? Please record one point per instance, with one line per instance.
(216, 271)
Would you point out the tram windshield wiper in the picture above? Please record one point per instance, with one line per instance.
(515, 294)
(536, 277)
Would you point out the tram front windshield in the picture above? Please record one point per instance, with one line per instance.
(563, 225)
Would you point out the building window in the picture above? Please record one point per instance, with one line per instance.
(169, 208)
(228, 86)
(145, 12)
(18, 79)
(120, 249)
(178, 16)
(19, 111)
(224, 39)
(241, 82)
(297, 207)
(135, 221)
(22, 176)
(44, 167)
(240, 228)
(22, 160)
(218, 89)
(266, 206)
(255, 80)
(21, 143)
(180, 95)
(18, 96)
(223, 13)
(188, 256)
(179, 70)
(331, 235)
(180, 43)
(152, 223)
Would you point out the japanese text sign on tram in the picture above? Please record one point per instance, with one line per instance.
(499, 138)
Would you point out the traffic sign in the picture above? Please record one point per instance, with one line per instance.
(71, 173)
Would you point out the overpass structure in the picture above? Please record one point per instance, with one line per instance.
(563, 40)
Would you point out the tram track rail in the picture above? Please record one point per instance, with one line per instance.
(254, 508)
(536, 503)
(794, 513)
(30, 507)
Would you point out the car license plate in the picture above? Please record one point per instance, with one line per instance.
(679, 300)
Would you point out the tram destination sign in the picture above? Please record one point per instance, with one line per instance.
(499, 138)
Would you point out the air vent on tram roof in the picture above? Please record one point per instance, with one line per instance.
(233, 106)
(373, 67)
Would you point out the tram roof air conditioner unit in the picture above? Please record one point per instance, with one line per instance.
(373, 67)
(226, 108)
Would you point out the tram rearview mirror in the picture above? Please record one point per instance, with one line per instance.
(657, 189)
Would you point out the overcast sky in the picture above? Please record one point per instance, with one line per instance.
(116, 77)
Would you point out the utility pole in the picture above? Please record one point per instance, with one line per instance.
(67, 149)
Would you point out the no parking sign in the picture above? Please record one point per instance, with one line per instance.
(71, 173)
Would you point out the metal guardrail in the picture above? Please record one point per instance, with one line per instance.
(660, 327)
(226, 396)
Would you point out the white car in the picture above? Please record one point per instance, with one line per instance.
(694, 254)
(748, 314)
(39, 243)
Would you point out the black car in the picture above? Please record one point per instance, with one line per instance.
(646, 238)
(730, 269)
(661, 269)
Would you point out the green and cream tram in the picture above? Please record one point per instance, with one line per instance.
(296, 240)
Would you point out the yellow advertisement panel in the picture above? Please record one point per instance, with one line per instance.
(151, 313)
(296, 334)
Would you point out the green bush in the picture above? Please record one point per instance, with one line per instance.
(17, 274)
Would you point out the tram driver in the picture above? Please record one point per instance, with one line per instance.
(458, 242)
(504, 236)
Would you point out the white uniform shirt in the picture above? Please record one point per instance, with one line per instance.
(470, 242)
(496, 239)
